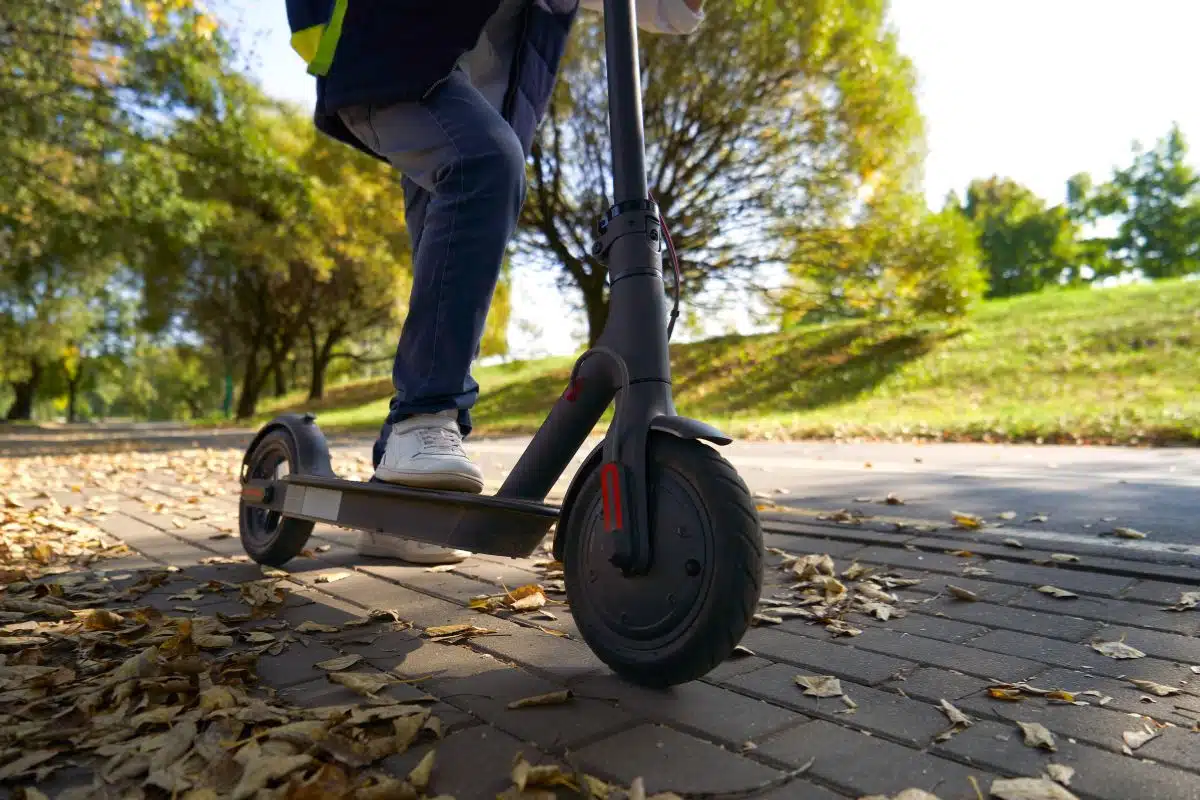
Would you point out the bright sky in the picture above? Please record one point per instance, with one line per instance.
(1034, 90)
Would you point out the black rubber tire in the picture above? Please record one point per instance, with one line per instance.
(731, 574)
(267, 536)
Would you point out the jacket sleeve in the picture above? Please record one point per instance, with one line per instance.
(659, 16)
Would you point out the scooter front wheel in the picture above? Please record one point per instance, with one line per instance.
(686, 615)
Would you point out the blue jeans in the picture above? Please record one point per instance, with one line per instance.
(464, 182)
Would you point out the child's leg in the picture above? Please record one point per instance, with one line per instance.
(465, 172)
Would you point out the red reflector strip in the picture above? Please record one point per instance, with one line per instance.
(610, 493)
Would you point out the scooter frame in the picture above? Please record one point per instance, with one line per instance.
(629, 365)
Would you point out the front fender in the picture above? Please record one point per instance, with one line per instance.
(312, 451)
(683, 427)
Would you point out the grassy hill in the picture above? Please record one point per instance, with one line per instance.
(1116, 365)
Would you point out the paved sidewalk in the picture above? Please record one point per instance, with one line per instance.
(967, 624)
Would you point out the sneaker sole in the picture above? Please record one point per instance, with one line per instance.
(446, 481)
(383, 552)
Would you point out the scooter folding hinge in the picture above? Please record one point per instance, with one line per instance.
(634, 216)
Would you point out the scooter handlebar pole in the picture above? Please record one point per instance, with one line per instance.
(624, 101)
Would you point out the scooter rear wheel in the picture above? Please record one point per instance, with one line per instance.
(268, 537)
(683, 618)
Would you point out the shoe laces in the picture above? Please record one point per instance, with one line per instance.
(440, 441)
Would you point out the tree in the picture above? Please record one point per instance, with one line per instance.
(1157, 198)
(772, 111)
(84, 83)
(1025, 245)
(898, 261)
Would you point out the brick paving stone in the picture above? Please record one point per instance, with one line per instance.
(822, 656)
(862, 765)
(1098, 773)
(929, 626)
(1181, 709)
(882, 712)
(153, 543)
(846, 533)
(321, 692)
(990, 591)
(557, 657)
(1092, 724)
(801, 545)
(701, 709)
(446, 585)
(1057, 625)
(736, 666)
(671, 761)
(1078, 656)
(1164, 645)
(229, 573)
(470, 764)
(509, 575)
(1177, 746)
(933, 684)
(800, 789)
(435, 661)
(1121, 612)
(376, 643)
(911, 559)
(294, 664)
(1157, 592)
(1074, 580)
(552, 728)
(964, 658)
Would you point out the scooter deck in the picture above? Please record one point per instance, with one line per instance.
(500, 526)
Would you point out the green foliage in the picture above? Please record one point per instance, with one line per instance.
(897, 262)
(1078, 364)
(1026, 246)
(1158, 200)
(774, 116)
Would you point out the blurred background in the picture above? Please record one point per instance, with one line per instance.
(917, 219)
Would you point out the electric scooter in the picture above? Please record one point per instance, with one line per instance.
(659, 537)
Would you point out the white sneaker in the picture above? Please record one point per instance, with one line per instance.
(426, 451)
(381, 546)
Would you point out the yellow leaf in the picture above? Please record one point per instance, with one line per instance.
(549, 699)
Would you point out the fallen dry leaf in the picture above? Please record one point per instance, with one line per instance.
(1128, 533)
(339, 663)
(548, 699)
(1036, 735)
(966, 521)
(422, 772)
(1013, 543)
(955, 716)
(308, 626)
(1029, 789)
(1135, 739)
(962, 594)
(364, 683)
(1160, 689)
(1007, 515)
(1060, 773)
(1054, 591)
(1064, 558)
(330, 577)
(820, 685)
(1117, 650)
(1187, 601)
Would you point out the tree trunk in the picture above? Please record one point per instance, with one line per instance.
(595, 302)
(73, 397)
(25, 393)
(251, 384)
(281, 385)
(320, 363)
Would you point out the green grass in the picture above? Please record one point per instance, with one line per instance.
(1117, 365)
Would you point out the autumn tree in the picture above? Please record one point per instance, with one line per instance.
(771, 119)
(1026, 245)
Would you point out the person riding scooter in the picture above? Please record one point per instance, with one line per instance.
(450, 94)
